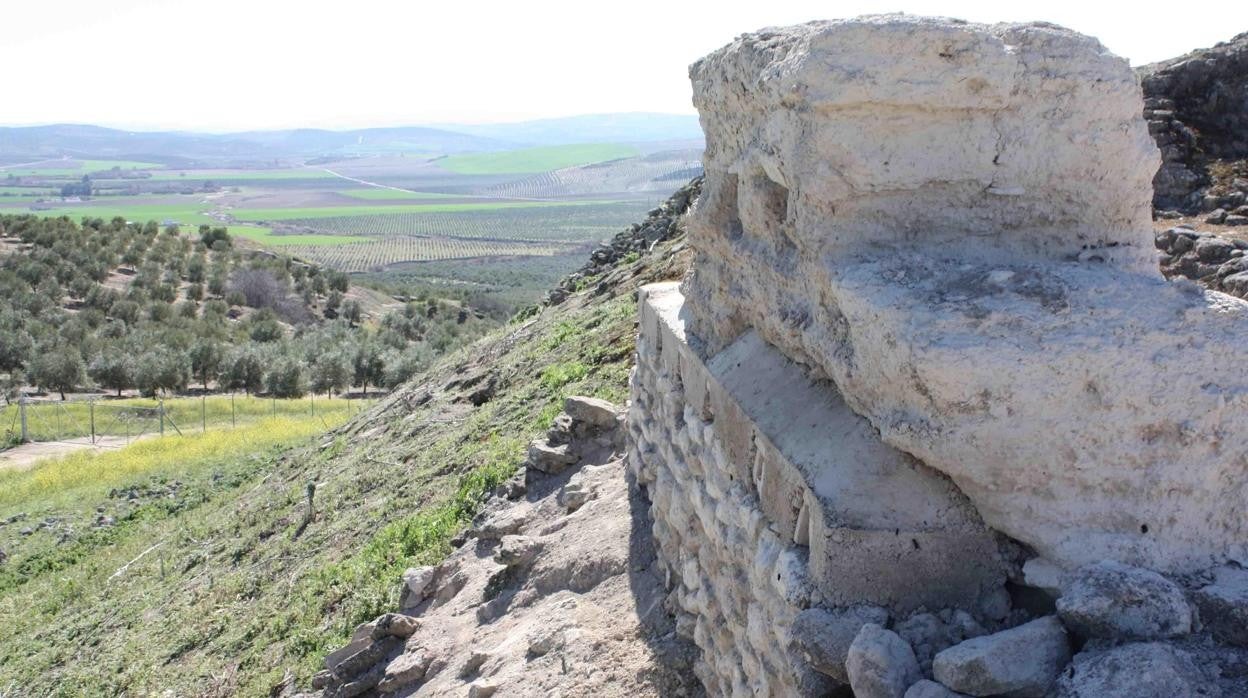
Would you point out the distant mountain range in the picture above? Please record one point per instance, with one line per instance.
(180, 148)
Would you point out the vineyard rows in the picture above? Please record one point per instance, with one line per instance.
(572, 223)
(375, 255)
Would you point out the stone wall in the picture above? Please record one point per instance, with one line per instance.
(770, 496)
(925, 407)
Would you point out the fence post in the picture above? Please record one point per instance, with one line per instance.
(91, 409)
(160, 412)
(21, 407)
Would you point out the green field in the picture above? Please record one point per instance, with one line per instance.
(240, 175)
(285, 214)
(189, 213)
(63, 168)
(532, 160)
(380, 194)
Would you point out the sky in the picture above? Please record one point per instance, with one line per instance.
(229, 65)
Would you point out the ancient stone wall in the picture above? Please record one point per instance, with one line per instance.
(925, 416)
(951, 223)
(770, 496)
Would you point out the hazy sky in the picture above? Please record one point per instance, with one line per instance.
(241, 64)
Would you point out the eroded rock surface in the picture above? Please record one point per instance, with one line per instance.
(973, 269)
(540, 599)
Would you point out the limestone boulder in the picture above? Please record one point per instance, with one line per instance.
(880, 664)
(1116, 601)
(550, 458)
(1137, 670)
(590, 410)
(1022, 662)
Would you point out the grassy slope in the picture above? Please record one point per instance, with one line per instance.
(531, 160)
(235, 599)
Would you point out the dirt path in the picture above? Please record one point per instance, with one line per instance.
(24, 456)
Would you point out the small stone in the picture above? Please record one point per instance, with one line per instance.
(517, 550)
(1021, 661)
(550, 459)
(1236, 220)
(929, 634)
(1043, 574)
(404, 670)
(1111, 600)
(931, 689)
(574, 494)
(1214, 250)
(590, 410)
(880, 664)
(823, 637)
(481, 690)
(1224, 605)
(502, 523)
(473, 664)
(1138, 670)
(416, 582)
(360, 639)
(545, 640)
(394, 625)
(1216, 216)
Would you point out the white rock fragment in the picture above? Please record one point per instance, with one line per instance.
(590, 410)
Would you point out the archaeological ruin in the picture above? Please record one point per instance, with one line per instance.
(925, 419)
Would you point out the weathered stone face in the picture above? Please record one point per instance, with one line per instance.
(952, 223)
(831, 137)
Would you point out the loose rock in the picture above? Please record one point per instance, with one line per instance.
(1223, 605)
(1111, 600)
(880, 664)
(589, 410)
(1140, 670)
(1022, 661)
(823, 637)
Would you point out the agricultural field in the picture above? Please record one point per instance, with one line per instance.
(377, 255)
(540, 209)
(579, 222)
(530, 160)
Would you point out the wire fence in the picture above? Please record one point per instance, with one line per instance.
(121, 421)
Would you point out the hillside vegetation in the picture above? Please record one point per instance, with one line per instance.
(219, 582)
(123, 306)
